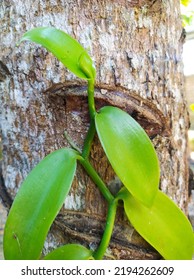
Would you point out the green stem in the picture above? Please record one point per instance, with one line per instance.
(97, 180)
(91, 102)
(89, 139)
(99, 253)
(92, 129)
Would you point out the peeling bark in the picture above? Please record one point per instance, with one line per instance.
(137, 49)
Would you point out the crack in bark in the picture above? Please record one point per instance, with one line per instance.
(144, 111)
(4, 195)
(88, 229)
(4, 71)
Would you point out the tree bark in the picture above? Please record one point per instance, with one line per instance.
(137, 49)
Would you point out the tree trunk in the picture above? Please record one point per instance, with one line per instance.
(137, 48)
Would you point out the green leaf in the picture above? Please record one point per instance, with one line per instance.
(130, 152)
(70, 252)
(65, 48)
(188, 18)
(163, 225)
(37, 203)
(192, 106)
(185, 2)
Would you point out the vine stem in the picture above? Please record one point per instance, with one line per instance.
(99, 253)
(89, 139)
(83, 159)
(92, 129)
(96, 179)
(91, 101)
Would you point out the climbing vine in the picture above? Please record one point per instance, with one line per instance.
(130, 152)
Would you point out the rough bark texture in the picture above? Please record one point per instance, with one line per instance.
(137, 48)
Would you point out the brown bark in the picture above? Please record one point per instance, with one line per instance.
(137, 48)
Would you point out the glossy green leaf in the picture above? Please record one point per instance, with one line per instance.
(37, 203)
(130, 152)
(163, 225)
(65, 48)
(70, 252)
